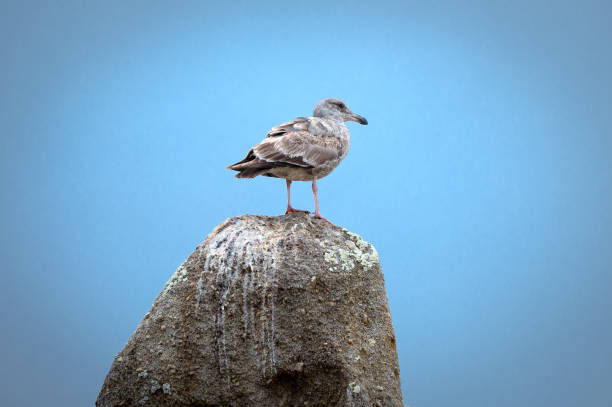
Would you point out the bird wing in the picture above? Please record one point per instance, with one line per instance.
(299, 123)
(293, 143)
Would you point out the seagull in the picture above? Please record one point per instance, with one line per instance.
(304, 149)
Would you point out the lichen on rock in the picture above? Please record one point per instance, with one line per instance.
(356, 250)
(179, 276)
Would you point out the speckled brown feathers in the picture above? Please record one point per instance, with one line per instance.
(299, 147)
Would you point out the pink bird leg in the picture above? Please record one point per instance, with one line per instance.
(290, 209)
(317, 214)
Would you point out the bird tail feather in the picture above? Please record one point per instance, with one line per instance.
(249, 169)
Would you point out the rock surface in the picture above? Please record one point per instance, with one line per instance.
(268, 311)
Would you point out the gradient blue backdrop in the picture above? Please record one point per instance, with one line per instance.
(484, 178)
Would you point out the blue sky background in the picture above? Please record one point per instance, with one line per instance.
(484, 178)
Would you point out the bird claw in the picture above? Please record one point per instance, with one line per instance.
(293, 210)
(318, 216)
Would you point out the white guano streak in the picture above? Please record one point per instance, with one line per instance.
(231, 255)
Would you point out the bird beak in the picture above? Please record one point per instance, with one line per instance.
(356, 118)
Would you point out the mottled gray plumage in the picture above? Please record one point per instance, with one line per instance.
(304, 149)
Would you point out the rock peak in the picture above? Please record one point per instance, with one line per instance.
(284, 310)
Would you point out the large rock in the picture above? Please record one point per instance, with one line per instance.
(268, 311)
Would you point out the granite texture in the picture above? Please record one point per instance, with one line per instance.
(267, 311)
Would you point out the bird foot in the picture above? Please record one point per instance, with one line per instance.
(290, 209)
(318, 216)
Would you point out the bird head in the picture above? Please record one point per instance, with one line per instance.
(336, 109)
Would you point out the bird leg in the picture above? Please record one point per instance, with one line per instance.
(290, 209)
(317, 214)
